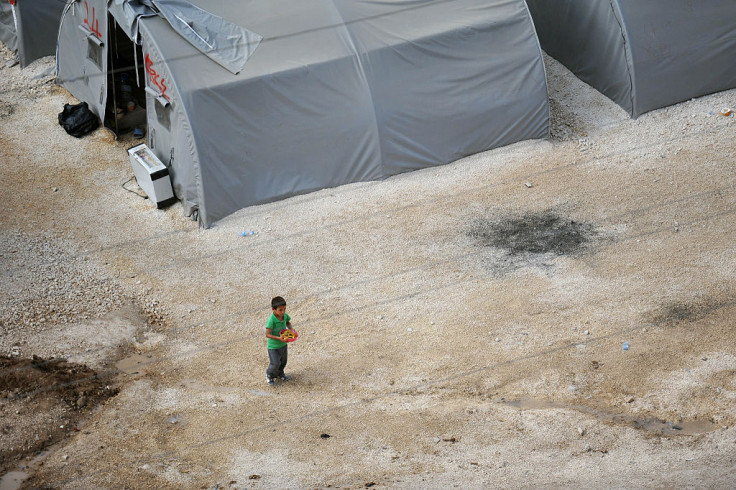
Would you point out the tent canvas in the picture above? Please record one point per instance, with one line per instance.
(7, 26)
(643, 55)
(337, 91)
(30, 27)
(82, 55)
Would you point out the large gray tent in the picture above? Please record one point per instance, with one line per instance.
(642, 54)
(316, 93)
(30, 27)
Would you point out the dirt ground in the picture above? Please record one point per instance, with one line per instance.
(554, 313)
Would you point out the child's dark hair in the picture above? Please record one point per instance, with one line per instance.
(278, 301)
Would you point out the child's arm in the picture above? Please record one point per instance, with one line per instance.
(270, 335)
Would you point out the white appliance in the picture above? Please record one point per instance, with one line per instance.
(152, 175)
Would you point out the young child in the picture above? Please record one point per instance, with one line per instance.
(277, 348)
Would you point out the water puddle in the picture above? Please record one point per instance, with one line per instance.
(649, 424)
(12, 480)
(134, 364)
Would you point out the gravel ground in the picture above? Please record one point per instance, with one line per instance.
(461, 326)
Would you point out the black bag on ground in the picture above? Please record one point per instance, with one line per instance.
(78, 120)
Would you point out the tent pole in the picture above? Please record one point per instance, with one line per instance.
(135, 65)
(112, 70)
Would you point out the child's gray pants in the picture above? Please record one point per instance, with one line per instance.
(277, 362)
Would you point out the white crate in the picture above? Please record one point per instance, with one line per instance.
(152, 175)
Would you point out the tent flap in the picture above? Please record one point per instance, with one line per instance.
(127, 13)
(226, 43)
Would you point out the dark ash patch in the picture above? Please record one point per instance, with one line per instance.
(6, 109)
(681, 312)
(686, 312)
(534, 233)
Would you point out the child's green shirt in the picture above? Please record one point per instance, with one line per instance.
(276, 326)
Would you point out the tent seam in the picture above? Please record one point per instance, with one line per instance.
(628, 55)
(544, 68)
(69, 5)
(368, 85)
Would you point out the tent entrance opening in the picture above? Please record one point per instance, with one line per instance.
(126, 95)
